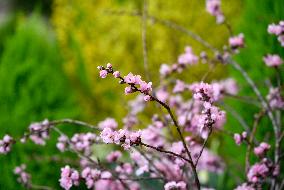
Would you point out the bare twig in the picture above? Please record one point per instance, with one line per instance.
(252, 136)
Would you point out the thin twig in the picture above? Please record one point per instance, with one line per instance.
(252, 136)
(75, 122)
(165, 151)
(203, 146)
(264, 104)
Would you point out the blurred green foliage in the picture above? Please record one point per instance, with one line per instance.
(255, 18)
(32, 87)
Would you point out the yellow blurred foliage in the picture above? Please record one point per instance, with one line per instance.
(89, 35)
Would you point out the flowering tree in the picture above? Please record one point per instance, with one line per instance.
(172, 148)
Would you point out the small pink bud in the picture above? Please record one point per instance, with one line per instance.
(147, 98)
(109, 66)
(116, 74)
(103, 73)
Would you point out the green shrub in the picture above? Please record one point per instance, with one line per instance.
(32, 87)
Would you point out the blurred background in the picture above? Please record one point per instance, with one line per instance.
(50, 49)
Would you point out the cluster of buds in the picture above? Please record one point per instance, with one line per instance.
(261, 170)
(239, 138)
(24, 178)
(214, 8)
(134, 81)
(273, 60)
(6, 144)
(278, 30)
(124, 137)
(69, 177)
(185, 59)
(261, 149)
(237, 42)
(39, 132)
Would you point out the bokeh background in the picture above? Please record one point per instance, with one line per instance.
(49, 51)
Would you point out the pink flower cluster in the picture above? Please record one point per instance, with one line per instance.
(6, 144)
(39, 132)
(237, 42)
(214, 8)
(239, 138)
(124, 137)
(276, 101)
(188, 58)
(261, 149)
(273, 60)
(172, 185)
(185, 59)
(69, 177)
(108, 123)
(203, 92)
(211, 117)
(131, 80)
(278, 30)
(91, 176)
(23, 177)
(81, 142)
(245, 186)
(144, 87)
(257, 171)
(113, 156)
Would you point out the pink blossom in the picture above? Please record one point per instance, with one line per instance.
(162, 94)
(257, 172)
(188, 58)
(272, 60)
(69, 177)
(125, 168)
(108, 123)
(90, 175)
(275, 29)
(143, 164)
(39, 132)
(165, 70)
(281, 40)
(132, 79)
(179, 87)
(109, 66)
(116, 74)
(6, 144)
(245, 186)
(175, 185)
(276, 101)
(203, 92)
(113, 156)
(107, 135)
(145, 87)
(103, 74)
(152, 135)
(177, 147)
(237, 41)
(147, 98)
(23, 177)
(62, 143)
(128, 90)
(214, 8)
(83, 142)
(237, 138)
(261, 149)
